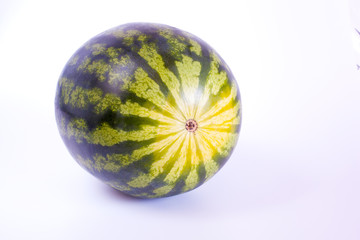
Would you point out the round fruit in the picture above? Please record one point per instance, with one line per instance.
(149, 109)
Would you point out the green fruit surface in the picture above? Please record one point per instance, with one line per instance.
(123, 101)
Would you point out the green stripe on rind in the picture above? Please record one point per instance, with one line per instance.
(82, 99)
(149, 53)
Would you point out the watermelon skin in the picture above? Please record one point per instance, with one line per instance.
(123, 101)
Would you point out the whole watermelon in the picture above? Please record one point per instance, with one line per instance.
(149, 109)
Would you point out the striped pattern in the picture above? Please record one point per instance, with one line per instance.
(123, 100)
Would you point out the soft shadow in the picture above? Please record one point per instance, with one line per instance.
(183, 203)
(114, 194)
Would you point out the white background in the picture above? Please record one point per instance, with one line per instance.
(295, 173)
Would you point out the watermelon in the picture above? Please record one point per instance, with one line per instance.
(148, 109)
